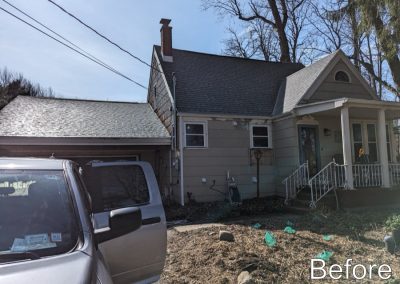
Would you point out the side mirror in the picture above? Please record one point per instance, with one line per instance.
(119, 222)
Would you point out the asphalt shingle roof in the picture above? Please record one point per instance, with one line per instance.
(214, 84)
(47, 117)
(294, 87)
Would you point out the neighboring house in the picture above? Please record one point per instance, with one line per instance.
(84, 130)
(222, 111)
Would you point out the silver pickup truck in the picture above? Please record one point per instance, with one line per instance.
(54, 229)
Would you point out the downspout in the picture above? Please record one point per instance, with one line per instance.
(181, 160)
(173, 135)
(174, 142)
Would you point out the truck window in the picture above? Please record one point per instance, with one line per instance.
(116, 186)
(37, 214)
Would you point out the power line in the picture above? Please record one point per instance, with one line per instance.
(103, 36)
(57, 34)
(66, 45)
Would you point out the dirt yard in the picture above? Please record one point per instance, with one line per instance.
(197, 256)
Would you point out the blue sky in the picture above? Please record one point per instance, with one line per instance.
(132, 24)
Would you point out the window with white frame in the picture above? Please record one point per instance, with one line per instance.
(364, 136)
(372, 143)
(389, 152)
(357, 141)
(260, 136)
(196, 134)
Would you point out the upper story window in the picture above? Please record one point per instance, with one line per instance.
(196, 134)
(342, 76)
(260, 136)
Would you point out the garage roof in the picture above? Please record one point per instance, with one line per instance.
(59, 118)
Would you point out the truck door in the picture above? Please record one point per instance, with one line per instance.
(139, 255)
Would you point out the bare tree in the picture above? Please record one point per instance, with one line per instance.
(284, 19)
(14, 84)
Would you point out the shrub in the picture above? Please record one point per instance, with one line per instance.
(393, 223)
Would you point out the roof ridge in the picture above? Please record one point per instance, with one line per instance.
(79, 100)
(234, 57)
(333, 54)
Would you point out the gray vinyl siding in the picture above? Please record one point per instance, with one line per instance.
(331, 89)
(328, 146)
(159, 97)
(286, 150)
(228, 149)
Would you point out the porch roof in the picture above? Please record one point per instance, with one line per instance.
(359, 107)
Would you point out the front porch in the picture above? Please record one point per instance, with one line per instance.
(345, 144)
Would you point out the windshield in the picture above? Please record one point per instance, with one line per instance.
(36, 215)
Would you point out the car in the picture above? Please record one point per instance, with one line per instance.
(55, 229)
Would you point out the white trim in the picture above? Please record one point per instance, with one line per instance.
(204, 123)
(269, 137)
(328, 68)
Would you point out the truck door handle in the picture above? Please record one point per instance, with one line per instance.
(149, 221)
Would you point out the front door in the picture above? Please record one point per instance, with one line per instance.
(309, 147)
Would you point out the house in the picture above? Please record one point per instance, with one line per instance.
(319, 127)
(83, 131)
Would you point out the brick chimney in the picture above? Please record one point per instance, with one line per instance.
(166, 40)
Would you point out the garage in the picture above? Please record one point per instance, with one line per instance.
(85, 131)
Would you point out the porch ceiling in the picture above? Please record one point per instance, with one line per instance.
(362, 109)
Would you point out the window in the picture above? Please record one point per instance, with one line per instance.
(342, 76)
(372, 146)
(357, 141)
(389, 152)
(195, 135)
(116, 186)
(365, 137)
(260, 136)
(37, 214)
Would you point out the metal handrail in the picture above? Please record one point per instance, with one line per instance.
(328, 178)
(296, 181)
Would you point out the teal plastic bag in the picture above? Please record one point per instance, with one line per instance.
(327, 237)
(257, 226)
(325, 255)
(289, 230)
(270, 239)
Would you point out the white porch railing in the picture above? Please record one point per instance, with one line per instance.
(394, 174)
(296, 181)
(367, 175)
(330, 177)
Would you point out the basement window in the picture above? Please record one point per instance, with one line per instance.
(195, 134)
(260, 136)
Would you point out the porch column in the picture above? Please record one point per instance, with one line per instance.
(383, 148)
(346, 143)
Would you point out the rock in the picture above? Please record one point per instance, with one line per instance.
(226, 236)
(244, 278)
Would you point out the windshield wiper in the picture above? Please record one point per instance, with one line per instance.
(19, 255)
